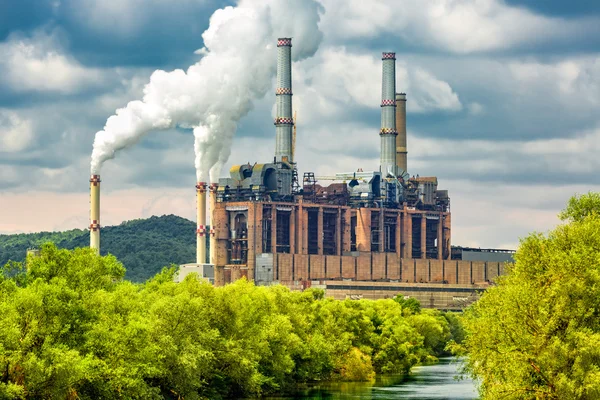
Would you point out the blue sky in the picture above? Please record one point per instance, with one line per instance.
(503, 101)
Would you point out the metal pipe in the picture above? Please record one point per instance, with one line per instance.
(201, 223)
(284, 120)
(95, 212)
(212, 202)
(388, 130)
(401, 149)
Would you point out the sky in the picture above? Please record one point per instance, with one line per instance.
(503, 106)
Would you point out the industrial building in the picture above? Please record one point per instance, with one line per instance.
(361, 233)
(373, 228)
(265, 209)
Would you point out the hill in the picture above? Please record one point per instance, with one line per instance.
(144, 246)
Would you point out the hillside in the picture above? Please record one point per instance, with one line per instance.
(144, 246)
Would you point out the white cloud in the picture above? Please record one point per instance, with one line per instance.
(15, 132)
(574, 81)
(38, 64)
(428, 93)
(575, 155)
(338, 82)
(459, 26)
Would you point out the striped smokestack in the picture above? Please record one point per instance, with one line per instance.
(212, 201)
(284, 120)
(388, 115)
(201, 222)
(401, 149)
(95, 212)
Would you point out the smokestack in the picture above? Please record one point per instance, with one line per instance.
(388, 115)
(201, 222)
(95, 212)
(284, 120)
(401, 149)
(212, 201)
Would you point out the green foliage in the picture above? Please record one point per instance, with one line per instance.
(71, 327)
(537, 334)
(411, 305)
(581, 206)
(144, 246)
(356, 366)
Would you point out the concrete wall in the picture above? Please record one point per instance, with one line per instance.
(382, 267)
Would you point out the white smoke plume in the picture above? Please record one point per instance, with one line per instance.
(238, 65)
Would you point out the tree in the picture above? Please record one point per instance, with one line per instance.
(536, 335)
(71, 327)
(581, 206)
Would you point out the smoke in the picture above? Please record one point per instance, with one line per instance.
(238, 65)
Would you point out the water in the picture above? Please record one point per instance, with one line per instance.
(430, 382)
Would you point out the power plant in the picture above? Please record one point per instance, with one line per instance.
(361, 234)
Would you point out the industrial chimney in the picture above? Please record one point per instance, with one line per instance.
(95, 213)
(201, 223)
(401, 149)
(211, 209)
(388, 115)
(284, 120)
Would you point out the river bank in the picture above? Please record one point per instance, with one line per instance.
(427, 382)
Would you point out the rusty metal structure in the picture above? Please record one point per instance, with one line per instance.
(270, 226)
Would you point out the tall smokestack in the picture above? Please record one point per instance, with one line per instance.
(212, 201)
(284, 120)
(95, 212)
(388, 115)
(201, 221)
(401, 149)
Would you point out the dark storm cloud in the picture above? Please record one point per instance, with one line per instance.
(23, 15)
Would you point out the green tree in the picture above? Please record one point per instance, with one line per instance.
(536, 335)
(581, 206)
(71, 327)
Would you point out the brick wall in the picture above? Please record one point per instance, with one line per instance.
(408, 270)
(317, 267)
(422, 272)
(436, 270)
(379, 260)
(348, 267)
(333, 267)
(393, 266)
(363, 264)
(300, 267)
(284, 266)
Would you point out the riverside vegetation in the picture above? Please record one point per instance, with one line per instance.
(536, 335)
(72, 327)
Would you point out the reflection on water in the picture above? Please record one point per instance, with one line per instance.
(430, 382)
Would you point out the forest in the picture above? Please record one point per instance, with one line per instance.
(536, 334)
(72, 327)
(144, 246)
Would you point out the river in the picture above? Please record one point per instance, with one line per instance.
(428, 382)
